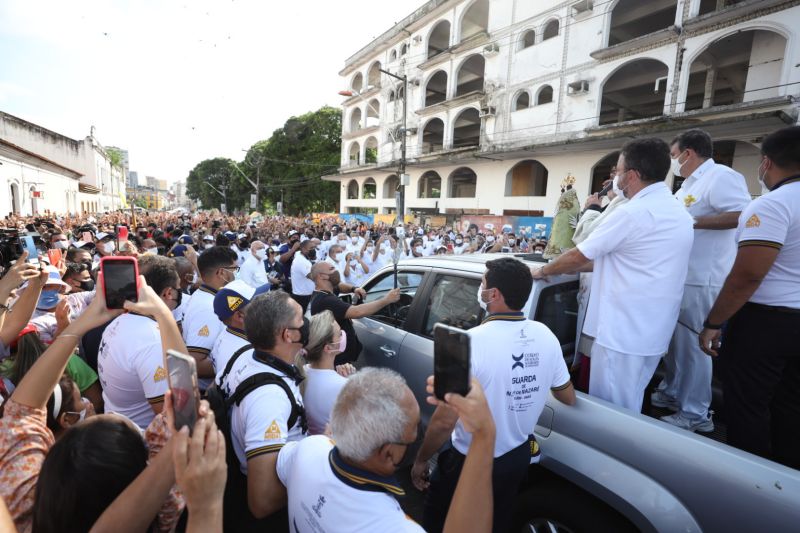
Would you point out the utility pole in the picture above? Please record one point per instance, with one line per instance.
(400, 194)
(222, 191)
(257, 184)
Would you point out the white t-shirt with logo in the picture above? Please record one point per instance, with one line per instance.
(130, 364)
(228, 343)
(774, 220)
(301, 267)
(201, 326)
(322, 502)
(322, 386)
(259, 423)
(517, 362)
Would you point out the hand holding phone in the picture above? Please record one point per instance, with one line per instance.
(182, 375)
(29, 246)
(120, 280)
(451, 360)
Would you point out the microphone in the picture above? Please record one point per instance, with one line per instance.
(604, 191)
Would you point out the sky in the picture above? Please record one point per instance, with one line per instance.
(176, 82)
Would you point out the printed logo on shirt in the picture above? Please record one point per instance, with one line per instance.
(160, 374)
(203, 331)
(689, 200)
(273, 431)
(318, 506)
(517, 361)
(753, 222)
(234, 302)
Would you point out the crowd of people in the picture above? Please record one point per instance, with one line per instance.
(290, 433)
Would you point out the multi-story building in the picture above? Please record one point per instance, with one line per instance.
(506, 98)
(147, 197)
(133, 179)
(35, 155)
(178, 191)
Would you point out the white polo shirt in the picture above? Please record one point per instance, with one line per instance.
(301, 268)
(774, 220)
(259, 423)
(201, 327)
(517, 362)
(712, 189)
(130, 366)
(253, 272)
(641, 255)
(321, 388)
(327, 495)
(228, 343)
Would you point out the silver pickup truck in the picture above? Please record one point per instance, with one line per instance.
(603, 468)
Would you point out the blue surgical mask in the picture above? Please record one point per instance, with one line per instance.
(48, 299)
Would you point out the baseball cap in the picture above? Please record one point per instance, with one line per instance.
(103, 235)
(292, 232)
(186, 239)
(83, 244)
(234, 296)
(178, 251)
(208, 238)
(54, 278)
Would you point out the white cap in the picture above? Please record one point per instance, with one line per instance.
(102, 235)
(208, 238)
(292, 232)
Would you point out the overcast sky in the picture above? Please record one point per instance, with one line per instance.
(176, 82)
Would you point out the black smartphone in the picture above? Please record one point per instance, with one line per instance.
(120, 276)
(451, 360)
(182, 372)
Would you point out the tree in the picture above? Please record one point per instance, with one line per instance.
(214, 175)
(114, 157)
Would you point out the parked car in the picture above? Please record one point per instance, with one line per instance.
(603, 468)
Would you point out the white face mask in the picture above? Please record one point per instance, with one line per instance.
(676, 165)
(484, 305)
(764, 187)
(615, 186)
(151, 251)
(109, 247)
(355, 240)
(459, 242)
(334, 257)
(490, 239)
(207, 246)
(262, 253)
(61, 245)
(418, 249)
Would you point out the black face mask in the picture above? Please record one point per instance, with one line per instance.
(87, 285)
(335, 279)
(312, 255)
(178, 299)
(304, 331)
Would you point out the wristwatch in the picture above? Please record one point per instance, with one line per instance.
(708, 325)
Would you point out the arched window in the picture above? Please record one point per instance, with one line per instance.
(393, 55)
(373, 113)
(439, 39)
(462, 183)
(433, 136)
(355, 154)
(545, 95)
(369, 189)
(429, 185)
(470, 75)
(355, 119)
(523, 101)
(475, 20)
(436, 89)
(403, 49)
(352, 190)
(374, 75)
(629, 20)
(550, 30)
(628, 93)
(390, 185)
(358, 82)
(528, 39)
(467, 128)
(527, 178)
(371, 151)
(391, 95)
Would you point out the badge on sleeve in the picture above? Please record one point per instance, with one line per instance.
(753, 222)
(203, 331)
(160, 374)
(689, 200)
(273, 431)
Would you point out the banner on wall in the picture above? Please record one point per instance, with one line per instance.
(389, 219)
(348, 217)
(528, 226)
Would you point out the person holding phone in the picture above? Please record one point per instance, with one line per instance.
(518, 362)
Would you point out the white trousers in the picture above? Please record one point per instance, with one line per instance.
(620, 378)
(687, 377)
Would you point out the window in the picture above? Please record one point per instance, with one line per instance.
(558, 310)
(523, 101)
(369, 189)
(633, 18)
(439, 39)
(393, 55)
(433, 136)
(475, 20)
(429, 185)
(551, 30)
(395, 314)
(358, 82)
(470, 75)
(452, 302)
(628, 94)
(463, 182)
(374, 75)
(545, 95)
(528, 39)
(527, 178)
(436, 89)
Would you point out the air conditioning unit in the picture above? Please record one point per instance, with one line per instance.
(582, 7)
(488, 111)
(417, 39)
(578, 87)
(491, 49)
(414, 81)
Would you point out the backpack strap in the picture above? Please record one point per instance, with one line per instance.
(232, 360)
(268, 378)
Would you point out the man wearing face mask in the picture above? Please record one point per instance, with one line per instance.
(518, 362)
(302, 286)
(639, 256)
(714, 195)
(59, 241)
(760, 301)
(78, 278)
(253, 271)
(105, 244)
(336, 256)
(267, 418)
(48, 322)
(327, 286)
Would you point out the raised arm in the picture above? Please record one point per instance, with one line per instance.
(12, 321)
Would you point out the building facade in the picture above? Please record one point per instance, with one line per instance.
(507, 98)
(41, 168)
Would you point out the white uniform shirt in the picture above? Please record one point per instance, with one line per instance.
(357, 274)
(640, 254)
(774, 220)
(130, 366)
(201, 327)
(178, 312)
(241, 255)
(712, 189)
(517, 362)
(258, 424)
(301, 268)
(253, 272)
(326, 495)
(338, 264)
(321, 389)
(228, 343)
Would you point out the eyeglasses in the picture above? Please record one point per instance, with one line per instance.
(233, 269)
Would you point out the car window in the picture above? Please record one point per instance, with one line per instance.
(453, 301)
(395, 314)
(558, 310)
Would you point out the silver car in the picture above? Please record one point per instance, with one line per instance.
(603, 468)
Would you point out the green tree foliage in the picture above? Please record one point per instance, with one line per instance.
(114, 157)
(220, 173)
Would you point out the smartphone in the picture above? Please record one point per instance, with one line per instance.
(182, 375)
(122, 238)
(120, 280)
(451, 360)
(54, 255)
(29, 246)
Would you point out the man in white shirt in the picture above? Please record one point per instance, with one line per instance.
(302, 286)
(336, 257)
(253, 272)
(714, 195)
(518, 363)
(130, 360)
(229, 306)
(640, 255)
(350, 485)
